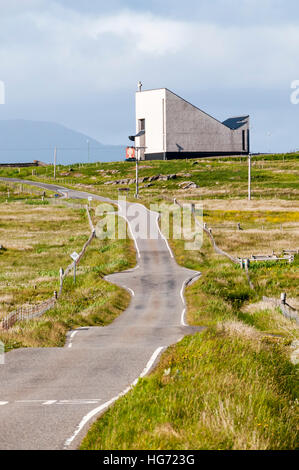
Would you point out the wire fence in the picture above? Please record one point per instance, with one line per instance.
(28, 312)
(286, 309)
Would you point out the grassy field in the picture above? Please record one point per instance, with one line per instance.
(37, 239)
(216, 390)
(233, 386)
(273, 176)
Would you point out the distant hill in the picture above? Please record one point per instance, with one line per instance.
(24, 141)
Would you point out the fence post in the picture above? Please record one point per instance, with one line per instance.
(283, 298)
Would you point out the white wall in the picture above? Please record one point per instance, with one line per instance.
(149, 106)
(172, 123)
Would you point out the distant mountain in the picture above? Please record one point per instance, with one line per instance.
(24, 141)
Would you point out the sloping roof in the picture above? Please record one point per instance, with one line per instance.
(232, 123)
(235, 122)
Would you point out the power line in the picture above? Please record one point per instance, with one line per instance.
(61, 148)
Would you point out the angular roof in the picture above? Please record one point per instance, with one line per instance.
(232, 123)
(235, 122)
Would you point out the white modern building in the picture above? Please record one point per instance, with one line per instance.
(175, 128)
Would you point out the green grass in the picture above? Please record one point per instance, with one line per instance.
(37, 242)
(90, 302)
(272, 176)
(211, 391)
(232, 386)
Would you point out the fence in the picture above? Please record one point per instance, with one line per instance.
(218, 250)
(287, 310)
(208, 231)
(27, 312)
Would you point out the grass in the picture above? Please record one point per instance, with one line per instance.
(273, 176)
(216, 390)
(232, 386)
(37, 242)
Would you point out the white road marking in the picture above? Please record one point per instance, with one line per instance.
(71, 337)
(183, 323)
(97, 410)
(130, 270)
(2, 403)
(130, 290)
(164, 238)
(30, 401)
(76, 401)
(131, 231)
(79, 401)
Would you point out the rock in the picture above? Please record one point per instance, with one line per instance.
(154, 178)
(188, 185)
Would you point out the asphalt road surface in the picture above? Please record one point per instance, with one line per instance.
(50, 396)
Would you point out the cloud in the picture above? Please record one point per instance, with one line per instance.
(65, 61)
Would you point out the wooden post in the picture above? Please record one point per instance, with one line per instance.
(249, 177)
(55, 155)
(283, 297)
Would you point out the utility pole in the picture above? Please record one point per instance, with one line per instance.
(55, 155)
(137, 187)
(87, 151)
(249, 177)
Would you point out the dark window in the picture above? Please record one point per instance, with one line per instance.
(142, 124)
(243, 141)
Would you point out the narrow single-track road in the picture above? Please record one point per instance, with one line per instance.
(50, 396)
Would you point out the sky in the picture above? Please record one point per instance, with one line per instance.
(78, 62)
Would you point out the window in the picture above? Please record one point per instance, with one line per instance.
(141, 124)
(243, 141)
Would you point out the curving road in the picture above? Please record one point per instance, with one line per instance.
(50, 396)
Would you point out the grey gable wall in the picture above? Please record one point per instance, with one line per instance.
(188, 129)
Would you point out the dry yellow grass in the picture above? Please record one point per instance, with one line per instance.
(238, 328)
(247, 242)
(245, 205)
